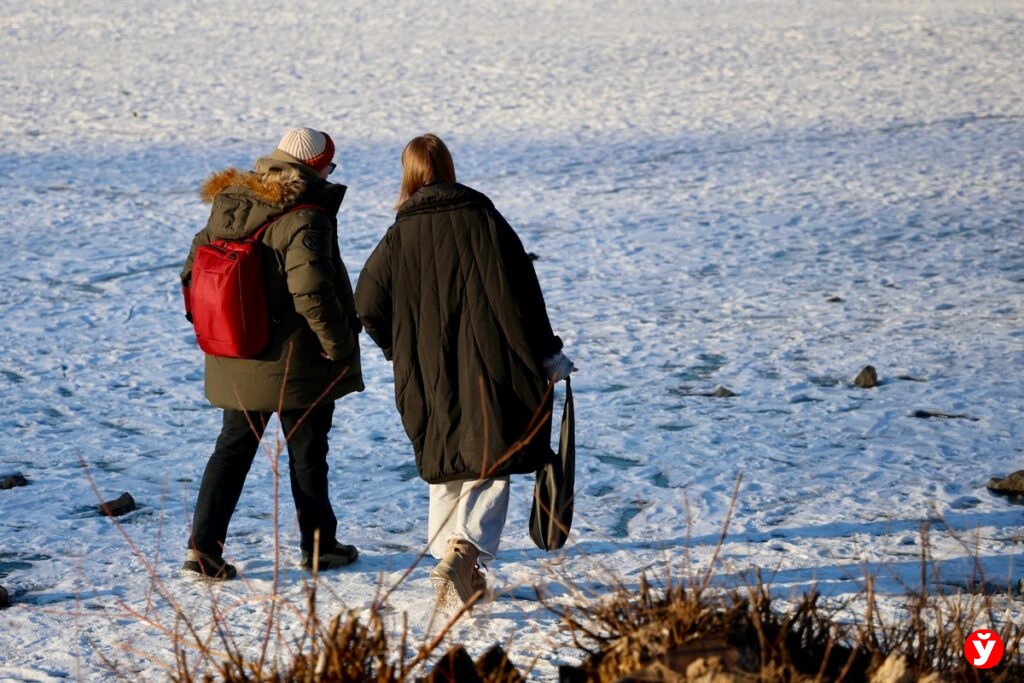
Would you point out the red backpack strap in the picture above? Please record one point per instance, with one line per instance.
(298, 207)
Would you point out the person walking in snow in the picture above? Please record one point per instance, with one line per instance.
(452, 298)
(311, 360)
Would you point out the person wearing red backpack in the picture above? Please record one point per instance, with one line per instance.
(287, 209)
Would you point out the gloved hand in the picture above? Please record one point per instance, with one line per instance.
(558, 367)
(187, 294)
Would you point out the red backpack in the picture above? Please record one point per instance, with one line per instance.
(226, 298)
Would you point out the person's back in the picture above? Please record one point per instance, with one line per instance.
(313, 333)
(311, 359)
(452, 298)
(470, 333)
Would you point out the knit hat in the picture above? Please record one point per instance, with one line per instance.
(311, 147)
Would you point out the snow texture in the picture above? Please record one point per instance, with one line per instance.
(765, 196)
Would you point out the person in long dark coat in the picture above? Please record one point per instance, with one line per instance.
(452, 298)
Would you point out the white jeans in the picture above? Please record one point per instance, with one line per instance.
(472, 510)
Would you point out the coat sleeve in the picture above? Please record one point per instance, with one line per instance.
(311, 278)
(523, 314)
(373, 295)
(202, 237)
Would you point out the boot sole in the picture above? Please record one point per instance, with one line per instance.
(337, 562)
(194, 572)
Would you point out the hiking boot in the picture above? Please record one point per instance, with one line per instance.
(338, 556)
(208, 566)
(457, 578)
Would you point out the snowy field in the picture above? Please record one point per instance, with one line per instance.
(760, 195)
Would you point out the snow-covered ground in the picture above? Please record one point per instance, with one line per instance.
(761, 195)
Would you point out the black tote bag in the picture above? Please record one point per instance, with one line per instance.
(551, 516)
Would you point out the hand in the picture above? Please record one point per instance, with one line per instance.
(558, 367)
(187, 294)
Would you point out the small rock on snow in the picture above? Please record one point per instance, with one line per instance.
(1012, 485)
(13, 480)
(119, 506)
(867, 378)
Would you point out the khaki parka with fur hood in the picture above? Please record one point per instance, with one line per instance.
(313, 353)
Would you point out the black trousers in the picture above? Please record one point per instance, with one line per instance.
(307, 469)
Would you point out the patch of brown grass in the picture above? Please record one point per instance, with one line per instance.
(683, 630)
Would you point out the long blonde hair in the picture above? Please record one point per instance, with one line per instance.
(425, 160)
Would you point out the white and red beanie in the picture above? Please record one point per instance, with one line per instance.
(312, 147)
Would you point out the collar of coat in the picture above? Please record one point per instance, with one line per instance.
(278, 179)
(441, 197)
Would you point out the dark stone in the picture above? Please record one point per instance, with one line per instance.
(119, 506)
(722, 392)
(867, 378)
(455, 666)
(533, 257)
(926, 414)
(12, 481)
(834, 300)
(5, 599)
(1012, 485)
(494, 665)
(572, 674)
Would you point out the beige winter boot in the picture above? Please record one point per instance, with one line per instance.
(457, 577)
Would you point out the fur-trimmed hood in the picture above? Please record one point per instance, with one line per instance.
(244, 200)
(275, 182)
